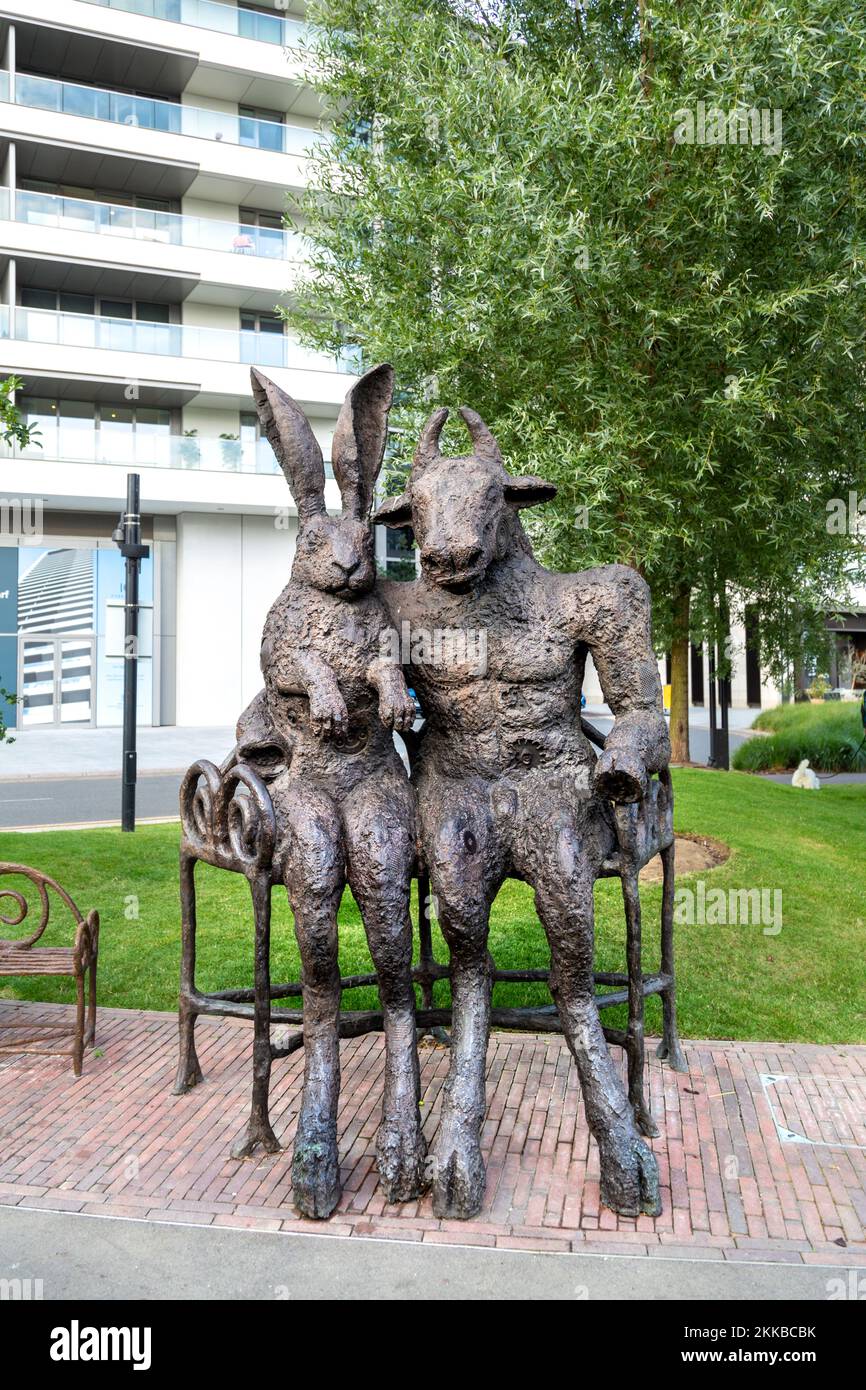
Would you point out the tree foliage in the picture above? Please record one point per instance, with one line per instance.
(673, 332)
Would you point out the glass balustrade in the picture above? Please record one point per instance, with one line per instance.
(123, 108)
(145, 224)
(127, 448)
(223, 19)
(170, 340)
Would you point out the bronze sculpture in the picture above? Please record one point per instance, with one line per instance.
(508, 785)
(343, 805)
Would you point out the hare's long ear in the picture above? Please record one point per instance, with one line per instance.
(359, 439)
(287, 430)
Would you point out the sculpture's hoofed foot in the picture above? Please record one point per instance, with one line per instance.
(315, 1175)
(254, 1137)
(189, 1074)
(670, 1051)
(629, 1178)
(401, 1158)
(458, 1179)
(644, 1120)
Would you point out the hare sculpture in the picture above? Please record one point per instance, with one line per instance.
(334, 695)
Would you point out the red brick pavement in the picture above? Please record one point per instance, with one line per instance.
(734, 1186)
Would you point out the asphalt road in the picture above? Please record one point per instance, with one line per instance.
(82, 1257)
(72, 800)
(67, 800)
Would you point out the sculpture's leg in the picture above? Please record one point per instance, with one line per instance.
(378, 820)
(259, 1131)
(562, 868)
(669, 1048)
(635, 1048)
(465, 874)
(188, 1069)
(314, 868)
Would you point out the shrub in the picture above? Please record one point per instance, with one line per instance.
(830, 735)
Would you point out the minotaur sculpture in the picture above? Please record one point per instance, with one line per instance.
(509, 786)
(343, 805)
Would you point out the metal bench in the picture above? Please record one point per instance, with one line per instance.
(228, 821)
(23, 958)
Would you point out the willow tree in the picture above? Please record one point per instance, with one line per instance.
(632, 236)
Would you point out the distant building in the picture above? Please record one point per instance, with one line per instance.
(147, 151)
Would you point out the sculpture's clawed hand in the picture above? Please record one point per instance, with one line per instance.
(396, 706)
(621, 775)
(329, 717)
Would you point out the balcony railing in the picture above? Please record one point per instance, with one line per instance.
(167, 340)
(170, 228)
(128, 448)
(224, 19)
(173, 117)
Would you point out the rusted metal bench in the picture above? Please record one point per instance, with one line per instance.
(24, 957)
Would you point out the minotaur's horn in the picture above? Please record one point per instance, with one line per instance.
(428, 444)
(484, 446)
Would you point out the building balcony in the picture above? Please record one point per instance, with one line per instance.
(173, 147)
(142, 224)
(256, 52)
(134, 449)
(171, 361)
(244, 265)
(218, 18)
(178, 340)
(151, 113)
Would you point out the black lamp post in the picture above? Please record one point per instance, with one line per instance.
(127, 537)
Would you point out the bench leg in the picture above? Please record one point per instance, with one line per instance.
(259, 1131)
(188, 1069)
(669, 1048)
(635, 1050)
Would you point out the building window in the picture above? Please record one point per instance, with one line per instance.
(260, 233)
(99, 432)
(260, 127)
(65, 303)
(267, 348)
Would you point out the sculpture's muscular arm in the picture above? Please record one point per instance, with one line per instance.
(612, 610)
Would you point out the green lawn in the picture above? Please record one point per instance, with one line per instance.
(805, 984)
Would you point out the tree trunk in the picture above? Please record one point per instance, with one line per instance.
(680, 677)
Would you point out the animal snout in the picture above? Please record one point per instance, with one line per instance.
(453, 559)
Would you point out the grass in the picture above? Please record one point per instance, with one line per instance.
(829, 734)
(806, 984)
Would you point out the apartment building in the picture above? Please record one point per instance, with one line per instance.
(147, 150)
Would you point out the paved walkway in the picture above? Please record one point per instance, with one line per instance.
(65, 752)
(762, 1149)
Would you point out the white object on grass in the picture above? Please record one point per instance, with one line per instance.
(805, 777)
